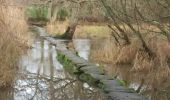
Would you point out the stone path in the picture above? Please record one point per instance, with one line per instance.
(93, 74)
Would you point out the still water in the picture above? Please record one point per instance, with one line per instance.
(42, 77)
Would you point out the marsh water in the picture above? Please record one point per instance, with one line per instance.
(42, 77)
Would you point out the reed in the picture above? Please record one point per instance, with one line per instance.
(13, 40)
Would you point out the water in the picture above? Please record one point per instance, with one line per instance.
(42, 77)
(82, 46)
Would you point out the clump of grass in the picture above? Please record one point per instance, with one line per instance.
(128, 53)
(105, 53)
(13, 41)
(142, 62)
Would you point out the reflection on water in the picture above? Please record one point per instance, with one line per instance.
(42, 77)
(82, 46)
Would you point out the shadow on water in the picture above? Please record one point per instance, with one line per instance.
(42, 77)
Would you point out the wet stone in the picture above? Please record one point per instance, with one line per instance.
(99, 77)
(124, 96)
(79, 61)
(114, 86)
(94, 75)
(85, 64)
(117, 89)
(110, 82)
(92, 70)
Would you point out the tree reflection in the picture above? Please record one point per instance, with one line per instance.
(49, 81)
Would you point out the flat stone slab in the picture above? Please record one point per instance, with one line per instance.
(117, 89)
(85, 64)
(114, 86)
(99, 76)
(110, 82)
(95, 75)
(92, 70)
(78, 61)
(124, 96)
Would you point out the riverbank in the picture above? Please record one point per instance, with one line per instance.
(88, 30)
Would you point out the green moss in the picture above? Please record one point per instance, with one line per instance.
(67, 64)
(101, 86)
(121, 82)
(72, 68)
(90, 80)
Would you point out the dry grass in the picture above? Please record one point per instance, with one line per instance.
(13, 42)
(92, 31)
(104, 51)
(82, 30)
(57, 28)
(128, 53)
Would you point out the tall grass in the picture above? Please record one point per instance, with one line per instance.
(104, 51)
(13, 41)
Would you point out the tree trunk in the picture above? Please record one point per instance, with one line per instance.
(70, 31)
(73, 22)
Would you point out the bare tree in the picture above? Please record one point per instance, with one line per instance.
(122, 16)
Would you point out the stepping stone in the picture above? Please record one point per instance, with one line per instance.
(95, 75)
(92, 70)
(117, 89)
(110, 82)
(78, 61)
(114, 86)
(124, 96)
(99, 76)
(85, 64)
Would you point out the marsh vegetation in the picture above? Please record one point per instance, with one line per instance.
(128, 38)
